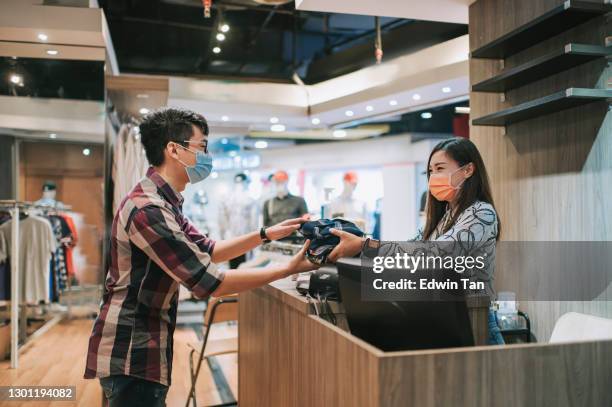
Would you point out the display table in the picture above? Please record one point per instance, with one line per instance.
(290, 357)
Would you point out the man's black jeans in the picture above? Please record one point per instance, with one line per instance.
(127, 391)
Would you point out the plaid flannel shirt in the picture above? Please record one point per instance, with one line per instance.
(154, 248)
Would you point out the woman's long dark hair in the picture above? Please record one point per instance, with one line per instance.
(475, 188)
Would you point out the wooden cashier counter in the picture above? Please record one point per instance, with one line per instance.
(297, 351)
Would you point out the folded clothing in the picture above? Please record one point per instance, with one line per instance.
(322, 242)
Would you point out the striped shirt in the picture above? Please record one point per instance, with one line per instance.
(154, 248)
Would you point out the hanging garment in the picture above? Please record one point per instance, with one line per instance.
(69, 246)
(238, 215)
(36, 245)
(277, 209)
(5, 270)
(130, 163)
(61, 231)
(322, 241)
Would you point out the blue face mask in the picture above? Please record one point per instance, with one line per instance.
(202, 168)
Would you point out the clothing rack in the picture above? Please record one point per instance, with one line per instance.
(13, 209)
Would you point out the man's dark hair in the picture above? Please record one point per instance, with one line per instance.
(160, 127)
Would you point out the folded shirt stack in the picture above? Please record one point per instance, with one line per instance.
(322, 241)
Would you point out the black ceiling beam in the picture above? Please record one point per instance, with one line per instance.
(254, 39)
(405, 39)
(385, 27)
(228, 5)
(196, 27)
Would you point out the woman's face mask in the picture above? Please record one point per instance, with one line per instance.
(441, 185)
(202, 167)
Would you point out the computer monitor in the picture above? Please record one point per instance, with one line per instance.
(402, 325)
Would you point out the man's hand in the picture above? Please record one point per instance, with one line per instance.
(349, 245)
(285, 228)
(299, 263)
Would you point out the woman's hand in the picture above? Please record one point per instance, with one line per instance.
(349, 245)
(285, 228)
(299, 263)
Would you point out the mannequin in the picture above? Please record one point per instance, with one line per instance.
(282, 205)
(49, 192)
(347, 206)
(238, 213)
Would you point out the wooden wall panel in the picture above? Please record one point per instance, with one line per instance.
(79, 184)
(550, 175)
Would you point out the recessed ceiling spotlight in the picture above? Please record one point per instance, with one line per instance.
(277, 127)
(16, 79)
(349, 113)
(220, 37)
(224, 118)
(43, 37)
(315, 121)
(225, 28)
(426, 115)
(369, 108)
(52, 135)
(261, 144)
(86, 151)
(339, 133)
(416, 96)
(462, 109)
(143, 110)
(216, 50)
(446, 89)
(142, 96)
(273, 120)
(52, 52)
(393, 102)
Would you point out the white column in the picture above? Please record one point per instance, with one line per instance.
(15, 288)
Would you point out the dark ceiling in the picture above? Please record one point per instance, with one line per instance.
(172, 37)
(50, 78)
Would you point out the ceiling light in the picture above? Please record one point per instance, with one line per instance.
(277, 127)
(224, 141)
(220, 37)
(142, 96)
(339, 133)
(369, 108)
(52, 52)
(144, 110)
(16, 79)
(43, 37)
(261, 144)
(315, 121)
(214, 175)
(416, 96)
(225, 28)
(224, 118)
(462, 109)
(52, 135)
(393, 102)
(216, 50)
(86, 151)
(273, 120)
(446, 89)
(349, 113)
(426, 115)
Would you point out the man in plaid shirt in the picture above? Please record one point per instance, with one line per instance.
(154, 248)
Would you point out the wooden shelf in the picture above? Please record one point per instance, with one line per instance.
(564, 99)
(558, 61)
(561, 18)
